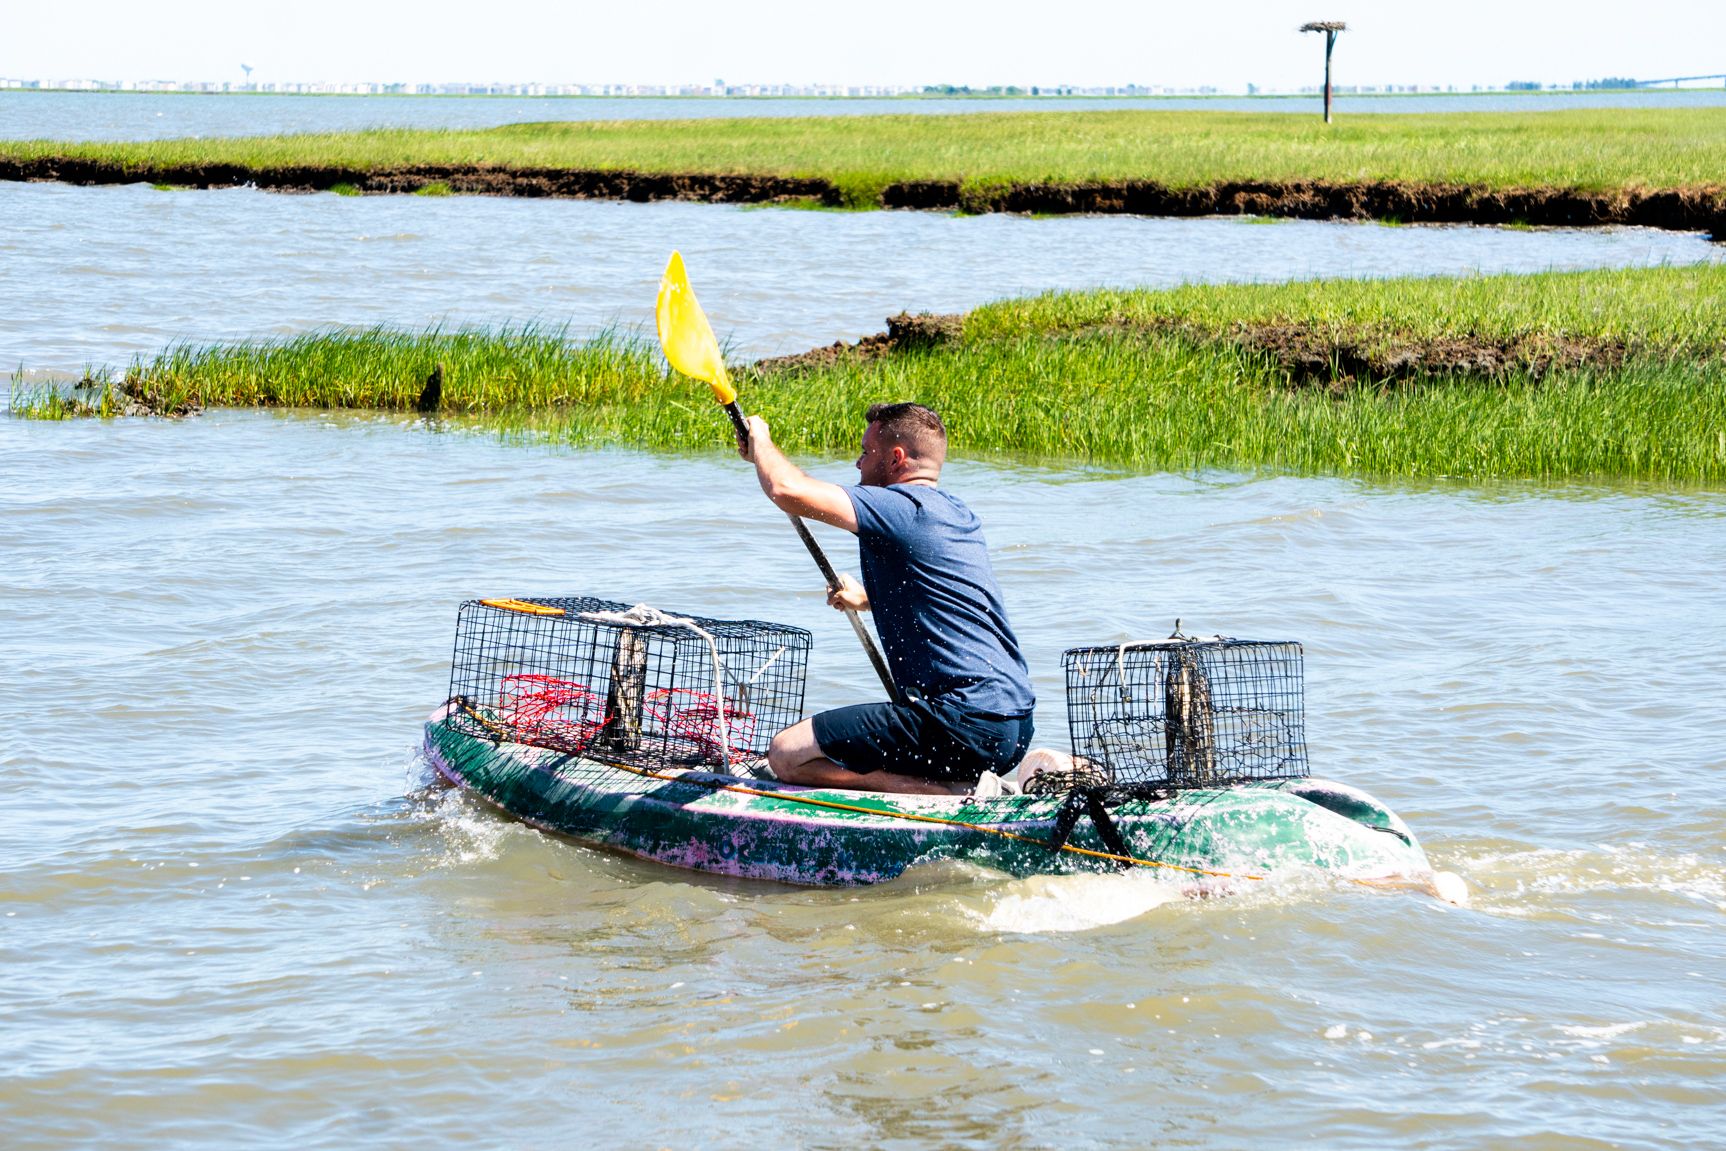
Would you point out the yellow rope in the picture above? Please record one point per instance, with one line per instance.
(835, 805)
(522, 605)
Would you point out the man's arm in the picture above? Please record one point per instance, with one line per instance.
(791, 489)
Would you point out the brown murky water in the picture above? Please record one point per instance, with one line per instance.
(229, 916)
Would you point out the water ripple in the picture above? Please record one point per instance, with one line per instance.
(234, 912)
(217, 265)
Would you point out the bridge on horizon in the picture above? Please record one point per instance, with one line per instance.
(1677, 80)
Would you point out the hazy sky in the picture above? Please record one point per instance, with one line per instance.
(1229, 44)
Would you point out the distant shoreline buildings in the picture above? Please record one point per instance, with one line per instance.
(717, 89)
(721, 89)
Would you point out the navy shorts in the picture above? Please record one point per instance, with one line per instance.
(929, 740)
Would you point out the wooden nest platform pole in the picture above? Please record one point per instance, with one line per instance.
(1330, 28)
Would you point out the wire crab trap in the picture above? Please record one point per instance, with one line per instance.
(1187, 713)
(629, 685)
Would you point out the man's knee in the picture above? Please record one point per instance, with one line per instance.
(779, 756)
(792, 748)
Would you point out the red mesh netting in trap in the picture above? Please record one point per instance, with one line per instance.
(542, 707)
(693, 716)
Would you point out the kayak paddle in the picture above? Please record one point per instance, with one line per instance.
(688, 342)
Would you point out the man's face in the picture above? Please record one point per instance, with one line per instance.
(875, 465)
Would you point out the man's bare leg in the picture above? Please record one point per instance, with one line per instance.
(795, 757)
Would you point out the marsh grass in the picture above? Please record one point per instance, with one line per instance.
(1142, 379)
(1587, 149)
(1161, 402)
(1664, 311)
(519, 370)
(94, 395)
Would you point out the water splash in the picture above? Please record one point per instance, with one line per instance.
(1060, 903)
(463, 830)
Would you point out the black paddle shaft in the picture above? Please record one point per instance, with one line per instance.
(820, 557)
(821, 561)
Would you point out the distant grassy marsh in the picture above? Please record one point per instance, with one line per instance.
(1587, 149)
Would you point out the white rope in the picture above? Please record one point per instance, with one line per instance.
(641, 615)
(766, 665)
(1176, 636)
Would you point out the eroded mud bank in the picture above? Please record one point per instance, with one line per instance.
(568, 183)
(1682, 209)
(1678, 209)
(1306, 356)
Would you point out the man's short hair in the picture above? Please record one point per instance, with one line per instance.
(915, 428)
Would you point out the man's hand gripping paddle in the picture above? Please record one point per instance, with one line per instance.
(687, 339)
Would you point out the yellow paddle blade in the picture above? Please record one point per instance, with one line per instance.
(685, 334)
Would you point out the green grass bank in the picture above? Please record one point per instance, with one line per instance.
(1602, 374)
(1660, 166)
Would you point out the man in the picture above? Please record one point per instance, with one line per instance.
(965, 696)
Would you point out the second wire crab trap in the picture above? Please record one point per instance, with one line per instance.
(635, 686)
(1188, 713)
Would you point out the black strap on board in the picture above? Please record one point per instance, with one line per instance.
(1089, 801)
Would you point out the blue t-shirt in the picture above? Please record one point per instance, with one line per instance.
(935, 600)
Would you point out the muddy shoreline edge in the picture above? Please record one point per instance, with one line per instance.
(1697, 209)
